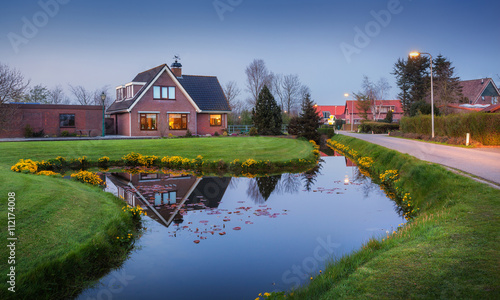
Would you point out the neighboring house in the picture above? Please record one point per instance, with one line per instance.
(353, 114)
(492, 109)
(330, 112)
(163, 101)
(480, 91)
(464, 108)
(53, 119)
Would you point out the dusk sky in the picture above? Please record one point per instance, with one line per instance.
(97, 43)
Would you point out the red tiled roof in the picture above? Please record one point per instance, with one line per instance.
(457, 106)
(492, 108)
(336, 110)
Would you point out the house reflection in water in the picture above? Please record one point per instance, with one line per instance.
(167, 197)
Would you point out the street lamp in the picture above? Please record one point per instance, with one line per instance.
(103, 98)
(416, 54)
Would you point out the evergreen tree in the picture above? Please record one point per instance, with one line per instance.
(388, 117)
(266, 115)
(412, 77)
(447, 88)
(309, 120)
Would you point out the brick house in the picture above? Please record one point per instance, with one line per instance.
(330, 112)
(353, 114)
(53, 119)
(163, 101)
(480, 91)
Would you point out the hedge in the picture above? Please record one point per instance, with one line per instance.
(483, 127)
(378, 127)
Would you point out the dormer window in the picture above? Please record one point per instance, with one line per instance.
(130, 91)
(164, 92)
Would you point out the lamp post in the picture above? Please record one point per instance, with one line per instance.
(103, 98)
(416, 54)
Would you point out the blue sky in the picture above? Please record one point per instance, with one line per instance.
(96, 43)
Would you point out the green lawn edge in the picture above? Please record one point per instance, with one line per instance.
(451, 250)
(57, 261)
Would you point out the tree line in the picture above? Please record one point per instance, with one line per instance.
(15, 88)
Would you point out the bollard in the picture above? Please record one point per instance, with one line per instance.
(467, 138)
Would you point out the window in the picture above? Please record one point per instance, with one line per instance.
(164, 92)
(494, 100)
(177, 121)
(66, 120)
(130, 91)
(482, 98)
(148, 121)
(165, 198)
(326, 114)
(215, 120)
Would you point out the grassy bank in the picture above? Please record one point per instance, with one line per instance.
(449, 250)
(66, 230)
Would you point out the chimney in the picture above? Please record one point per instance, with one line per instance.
(482, 80)
(176, 67)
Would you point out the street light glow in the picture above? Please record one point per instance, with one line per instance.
(414, 54)
(346, 95)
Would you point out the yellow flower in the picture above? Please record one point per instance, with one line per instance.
(267, 294)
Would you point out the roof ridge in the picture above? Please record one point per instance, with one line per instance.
(162, 65)
(199, 75)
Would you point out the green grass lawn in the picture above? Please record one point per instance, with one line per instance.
(451, 250)
(64, 227)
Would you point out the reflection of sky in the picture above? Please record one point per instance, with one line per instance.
(246, 262)
(96, 43)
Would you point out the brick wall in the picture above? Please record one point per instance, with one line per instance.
(46, 117)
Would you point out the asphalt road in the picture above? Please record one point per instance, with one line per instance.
(480, 162)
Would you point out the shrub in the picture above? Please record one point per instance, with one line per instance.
(65, 133)
(188, 133)
(216, 133)
(330, 132)
(40, 133)
(253, 131)
(131, 159)
(103, 162)
(377, 127)
(28, 131)
(25, 166)
(483, 127)
(87, 177)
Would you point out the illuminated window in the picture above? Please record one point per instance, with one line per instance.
(164, 92)
(215, 120)
(177, 121)
(66, 120)
(148, 121)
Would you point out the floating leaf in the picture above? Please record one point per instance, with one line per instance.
(237, 228)
(196, 241)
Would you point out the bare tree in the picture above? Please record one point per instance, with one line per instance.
(97, 96)
(12, 87)
(257, 77)
(82, 95)
(373, 92)
(12, 84)
(277, 89)
(291, 91)
(57, 96)
(232, 91)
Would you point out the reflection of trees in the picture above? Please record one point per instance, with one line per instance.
(367, 186)
(260, 188)
(289, 183)
(311, 175)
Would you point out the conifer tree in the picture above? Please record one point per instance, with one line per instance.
(266, 115)
(309, 120)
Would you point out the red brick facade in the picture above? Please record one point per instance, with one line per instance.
(47, 117)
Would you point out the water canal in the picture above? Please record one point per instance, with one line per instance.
(233, 238)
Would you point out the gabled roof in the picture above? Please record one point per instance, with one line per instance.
(473, 89)
(335, 110)
(205, 91)
(492, 108)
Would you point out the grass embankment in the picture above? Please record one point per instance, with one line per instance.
(451, 250)
(66, 229)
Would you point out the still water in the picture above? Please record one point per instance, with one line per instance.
(233, 238)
